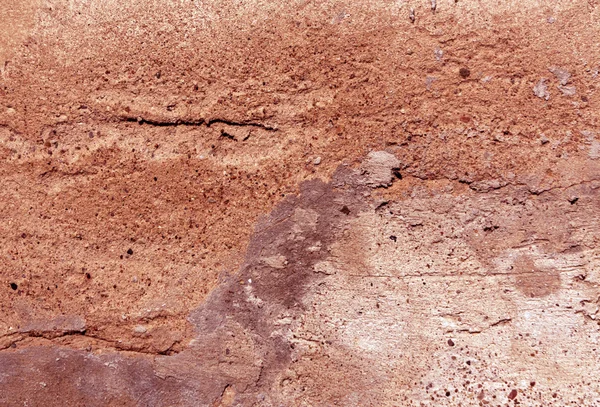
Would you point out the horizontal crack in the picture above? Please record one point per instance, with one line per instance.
(463, 275)
(194, 122)
(242, 124)
(488, 189)
(163, 123)
(108, 343)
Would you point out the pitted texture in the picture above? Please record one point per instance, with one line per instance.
(299, 203)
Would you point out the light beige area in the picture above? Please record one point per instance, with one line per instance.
(17, 20)
(448, 299)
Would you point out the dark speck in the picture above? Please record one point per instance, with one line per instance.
(464, 72)
(129, 252)
(227, 135)
(394, 238)
(513, 394)
(345, 210)
(14, 286)
(450, 342)
(88, 275)
(573, 200)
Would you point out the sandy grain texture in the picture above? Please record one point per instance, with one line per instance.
(251, 203)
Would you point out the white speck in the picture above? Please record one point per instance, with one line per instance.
(588, 134)
(541, 89)
(551, 20)
(568, 90)
(429, 81)
(315, 248)
(251, 298)
(594, 153)
(561, 74)
(249, 281)
(317, 161)
(439, 54)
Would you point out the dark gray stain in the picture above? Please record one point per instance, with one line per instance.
(297, 235)
(235, 347)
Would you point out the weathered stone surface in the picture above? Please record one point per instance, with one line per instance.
(299, 203)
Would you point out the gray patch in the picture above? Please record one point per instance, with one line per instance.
(429, 81)
(541, 90)
(561, 74)
(378, 168)
(595, 150)
(240, 344)
(569, 90)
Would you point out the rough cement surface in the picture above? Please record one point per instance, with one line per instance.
(212, 203)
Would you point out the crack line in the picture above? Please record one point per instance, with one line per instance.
(194, 122)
